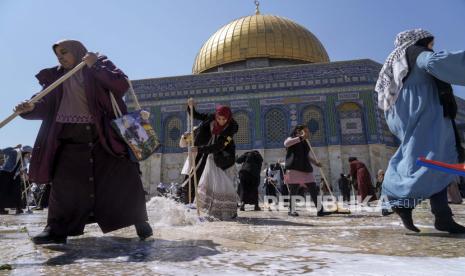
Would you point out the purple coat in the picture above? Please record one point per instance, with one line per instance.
(101, 78)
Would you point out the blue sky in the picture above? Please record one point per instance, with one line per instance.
(157, 38)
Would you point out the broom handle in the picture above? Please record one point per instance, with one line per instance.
(45, 92)
(191, 111)
(189, 152)
(321, 170)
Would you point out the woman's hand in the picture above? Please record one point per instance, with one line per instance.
(194, 149)
(304, 135)
(90, 59)
(24, 107)
(318, 164)
(187, 137)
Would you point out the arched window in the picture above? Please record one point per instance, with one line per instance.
(172, 133)
(275, 127)
(242, 136)
(312, 117)
(351, 124)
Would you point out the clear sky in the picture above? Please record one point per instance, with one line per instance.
(150, 39)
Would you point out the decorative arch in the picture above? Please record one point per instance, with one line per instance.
(242, 136)
(313, 118)
(276, 130)
(351, 124)
(172, 132)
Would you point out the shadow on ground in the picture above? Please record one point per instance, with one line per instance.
(270, 222)
(131, 250)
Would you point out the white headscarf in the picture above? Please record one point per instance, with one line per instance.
(395, 68)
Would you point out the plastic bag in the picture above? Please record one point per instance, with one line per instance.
(216, 193)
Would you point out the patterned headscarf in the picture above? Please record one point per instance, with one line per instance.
(224, 111)
(395, 68)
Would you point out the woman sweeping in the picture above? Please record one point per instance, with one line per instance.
(360, 174)
(76, 149)
(216, 153)
(299, 170)
(414, 91)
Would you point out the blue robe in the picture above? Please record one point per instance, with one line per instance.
(417, 120)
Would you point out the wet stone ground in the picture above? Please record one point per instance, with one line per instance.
(257, 243)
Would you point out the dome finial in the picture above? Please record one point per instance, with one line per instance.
(257, 4)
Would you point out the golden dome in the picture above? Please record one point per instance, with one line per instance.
(259, 36)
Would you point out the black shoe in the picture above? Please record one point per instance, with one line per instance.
(386, 212)
(293, 214)
(257, 208)
(19, 211)
(405, 215)
(242, 208)
(47, 237)
(3, 212)
(143, 230)
(322, 213)
(449, 225)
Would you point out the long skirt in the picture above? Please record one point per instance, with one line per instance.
(217, 196)
(365, 188)
(248, 187)
(90, 185)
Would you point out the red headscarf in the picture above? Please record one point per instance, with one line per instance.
(224, 111)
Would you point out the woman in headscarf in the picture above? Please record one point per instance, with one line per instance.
(216, 156)
(12, 190)
(249, 176)
(299, 169)
(93, 179)
(414, 91)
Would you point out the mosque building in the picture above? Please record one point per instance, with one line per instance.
(274, 74)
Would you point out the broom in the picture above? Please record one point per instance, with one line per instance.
(339, 210)
(458, 169)
(192, 160)
(25, 181)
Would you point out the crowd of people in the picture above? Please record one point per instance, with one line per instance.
(92, 173)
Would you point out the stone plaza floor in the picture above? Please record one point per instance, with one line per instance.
(257, 243)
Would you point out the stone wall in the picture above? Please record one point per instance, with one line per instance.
(167, 167)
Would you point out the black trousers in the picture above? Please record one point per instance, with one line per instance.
(345, 193)
(296, 189)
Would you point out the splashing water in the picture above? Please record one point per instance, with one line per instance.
(165, 211)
